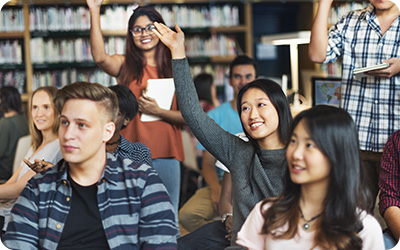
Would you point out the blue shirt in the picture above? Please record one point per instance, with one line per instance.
(373, 102)
(134, 206)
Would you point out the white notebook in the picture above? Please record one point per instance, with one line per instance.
(162, 90)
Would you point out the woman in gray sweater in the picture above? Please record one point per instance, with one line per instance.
(257, 167)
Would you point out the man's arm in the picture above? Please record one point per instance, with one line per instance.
(319, 33)
(211, 177)
(389, 183)
(157, 227)
(23, 228)
(225, 204)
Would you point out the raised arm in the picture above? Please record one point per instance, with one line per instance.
(319, 33)
(221, 144)
(109, 64)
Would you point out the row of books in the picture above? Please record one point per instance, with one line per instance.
(14, 78)
(45, 50)
(205, 16)
(332, 69)
(60, 78)
(10, 52)
(216, 45)
(338, 11)
(218, 71)
(11, 20)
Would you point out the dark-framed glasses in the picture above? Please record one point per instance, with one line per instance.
(138, 31)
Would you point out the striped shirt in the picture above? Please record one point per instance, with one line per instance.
(373, 102)
(134, 206)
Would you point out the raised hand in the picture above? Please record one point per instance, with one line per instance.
(173, 40)
(93, 3)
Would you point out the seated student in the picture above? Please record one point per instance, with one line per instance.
(91, 199)
(389, 184)
(43, 126)
(13, 125)
(201, 208)
(324, 203)
(128, 108)
(257, 167)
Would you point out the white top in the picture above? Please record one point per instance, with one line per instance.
(51, 153)
(249, 235)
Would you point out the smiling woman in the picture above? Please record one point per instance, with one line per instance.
(43, 126)
(145, 58)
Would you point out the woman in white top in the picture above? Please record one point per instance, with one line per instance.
(43, 126)
(324, 204)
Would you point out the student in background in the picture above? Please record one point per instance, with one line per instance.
(43, 126)
(389, 184)
(91, 199)
(364, 38)
(128, 108)
(201, 208)
(324, 203)
(145, 58)
(257, 167)
(13, 125)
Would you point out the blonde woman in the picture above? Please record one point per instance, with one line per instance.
(43, 126)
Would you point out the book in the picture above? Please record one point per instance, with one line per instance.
(162, 90)
(359, 72)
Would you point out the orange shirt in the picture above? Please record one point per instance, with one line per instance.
(163, 139)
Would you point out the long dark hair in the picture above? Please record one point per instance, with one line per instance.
(278, 100)
(10, 99)
(334, 132)
(133, 67)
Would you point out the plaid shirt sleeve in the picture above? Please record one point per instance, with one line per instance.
(389, 176)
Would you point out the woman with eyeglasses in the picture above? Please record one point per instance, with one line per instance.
(145, 58)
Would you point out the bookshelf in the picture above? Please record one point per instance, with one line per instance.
(51, 38)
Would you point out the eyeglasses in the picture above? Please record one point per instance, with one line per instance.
(138, 31)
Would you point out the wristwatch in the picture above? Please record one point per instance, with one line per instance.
(225, 216)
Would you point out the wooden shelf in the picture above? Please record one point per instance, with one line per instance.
(11, 35)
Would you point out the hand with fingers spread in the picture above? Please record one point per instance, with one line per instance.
(173, 40)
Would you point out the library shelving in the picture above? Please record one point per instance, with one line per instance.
(46, 42)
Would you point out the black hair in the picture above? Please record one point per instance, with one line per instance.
(278, 99)
(127, 103)
(203, 83)
(335, 134)
(243, 60)
(10, 99)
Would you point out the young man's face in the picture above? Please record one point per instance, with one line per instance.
(241, 75)
(83, 132)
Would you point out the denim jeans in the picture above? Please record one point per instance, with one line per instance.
(208, 237)
(389, 241)
(170, 174)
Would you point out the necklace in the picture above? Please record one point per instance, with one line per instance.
(113, 143)
(306, 225)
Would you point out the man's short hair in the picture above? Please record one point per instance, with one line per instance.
(242, 60)
(89, 91)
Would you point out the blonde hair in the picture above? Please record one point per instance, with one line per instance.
(37, 137)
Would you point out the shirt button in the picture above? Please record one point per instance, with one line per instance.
(376, 101)
(104, 179)
(68, 199)
(58, 226)
(380, 44)
(64, 182)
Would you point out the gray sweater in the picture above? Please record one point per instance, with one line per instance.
(254, 176)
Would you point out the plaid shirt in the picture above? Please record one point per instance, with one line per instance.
(135, 151)
(373, 102)
(134, 206)
(389, 175)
